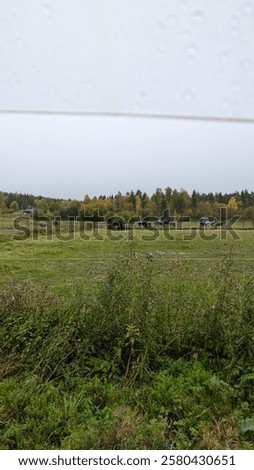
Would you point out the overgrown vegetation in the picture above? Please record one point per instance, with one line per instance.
(141, 362)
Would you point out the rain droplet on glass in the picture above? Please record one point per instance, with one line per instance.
(234, 20)
(143, 94)
(47, 9)
(225, 104)
(172, 20)
(17, 80)
(246, 47)
(186, 35)
(198, 15)
(247, 8)
(159, 26)
(224, 57)
(235, 31)
(234, 87)
(187, 96)
(137, 107)
(191, 50)
(247, 63)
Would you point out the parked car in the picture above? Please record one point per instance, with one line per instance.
(209, 222)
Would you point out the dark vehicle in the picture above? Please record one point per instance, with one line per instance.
(172, 221)
(116, 223)
(167, 221)
(209, 222)
(149, 222)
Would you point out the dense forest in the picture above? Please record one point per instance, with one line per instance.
(178, 202)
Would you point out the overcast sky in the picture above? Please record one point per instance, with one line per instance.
(173, 57)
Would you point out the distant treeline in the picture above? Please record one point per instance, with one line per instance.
(176, 202)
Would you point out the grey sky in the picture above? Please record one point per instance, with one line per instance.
(140, 56)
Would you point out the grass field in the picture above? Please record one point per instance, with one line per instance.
(65, 257)
(126, 340)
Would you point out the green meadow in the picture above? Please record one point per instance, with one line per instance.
(139, 339)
